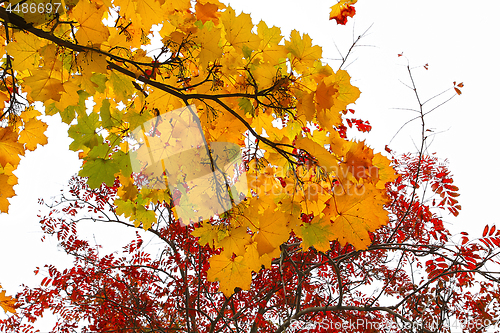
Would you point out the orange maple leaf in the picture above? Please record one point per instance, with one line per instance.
(7, 302)
(342, 10)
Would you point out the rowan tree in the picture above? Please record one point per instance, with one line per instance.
(228, 144)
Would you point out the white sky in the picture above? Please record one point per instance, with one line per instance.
(459, 41)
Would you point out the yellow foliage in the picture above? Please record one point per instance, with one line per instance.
(245, 165)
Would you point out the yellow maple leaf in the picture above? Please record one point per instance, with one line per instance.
(151, 12)
(313, 198)
(325, 159)
(253, 258)
(238, 30)
(328, 119)
(347, 93)
(30, 113)
(69, 96)
(8, 171)
(44, 87)
(235, 241)
(33, 134)
(358, 161)
(6, 192)
(10, 148)
(385, 172)
(231, 272)
(209, 234)
(270, 36)
(271, 233)
(208, 37)
(356, 212)
(25, 50)
(91, 29)
(301, 48)
(128, 9)
(265, 75)
(305, 105)
(177, 5)
(144, 216)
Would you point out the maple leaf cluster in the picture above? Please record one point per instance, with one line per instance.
(247, 90)
(24, 132)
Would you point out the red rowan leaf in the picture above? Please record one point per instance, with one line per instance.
(492, 230)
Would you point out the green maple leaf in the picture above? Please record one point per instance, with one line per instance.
(84, 132)
(101, 150)
(126, 208)
(318, 233)
(123, 161)
(100, 80)
(122, 86)
(246, 105)
(100, 171)
(144, 216)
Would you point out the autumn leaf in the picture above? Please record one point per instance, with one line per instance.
(238, 30)
(231, 272)
(208, 11)
(91, 62)
(358, 161)
(125, 207)
(151, 12)
(33, 134)
(318, 234)
(342, 10)
(271, 232)
(235, 241)
(325, 159)
(305, 105)
(91, 30)
(8, 303)
(144, 216)
(347, 93)
(208, 37)
(44, 87)
(84, 133)
(356, 212)
(325, 95)
(385, 172)
(270, 36)
(209, 234)
(301, 48)
(122, 85)
(10, 148)
(25, 50)
(99, 171)
(6, 192)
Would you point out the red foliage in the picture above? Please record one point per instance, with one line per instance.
(418, 275)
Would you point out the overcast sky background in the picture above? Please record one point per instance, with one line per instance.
(457, 39)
